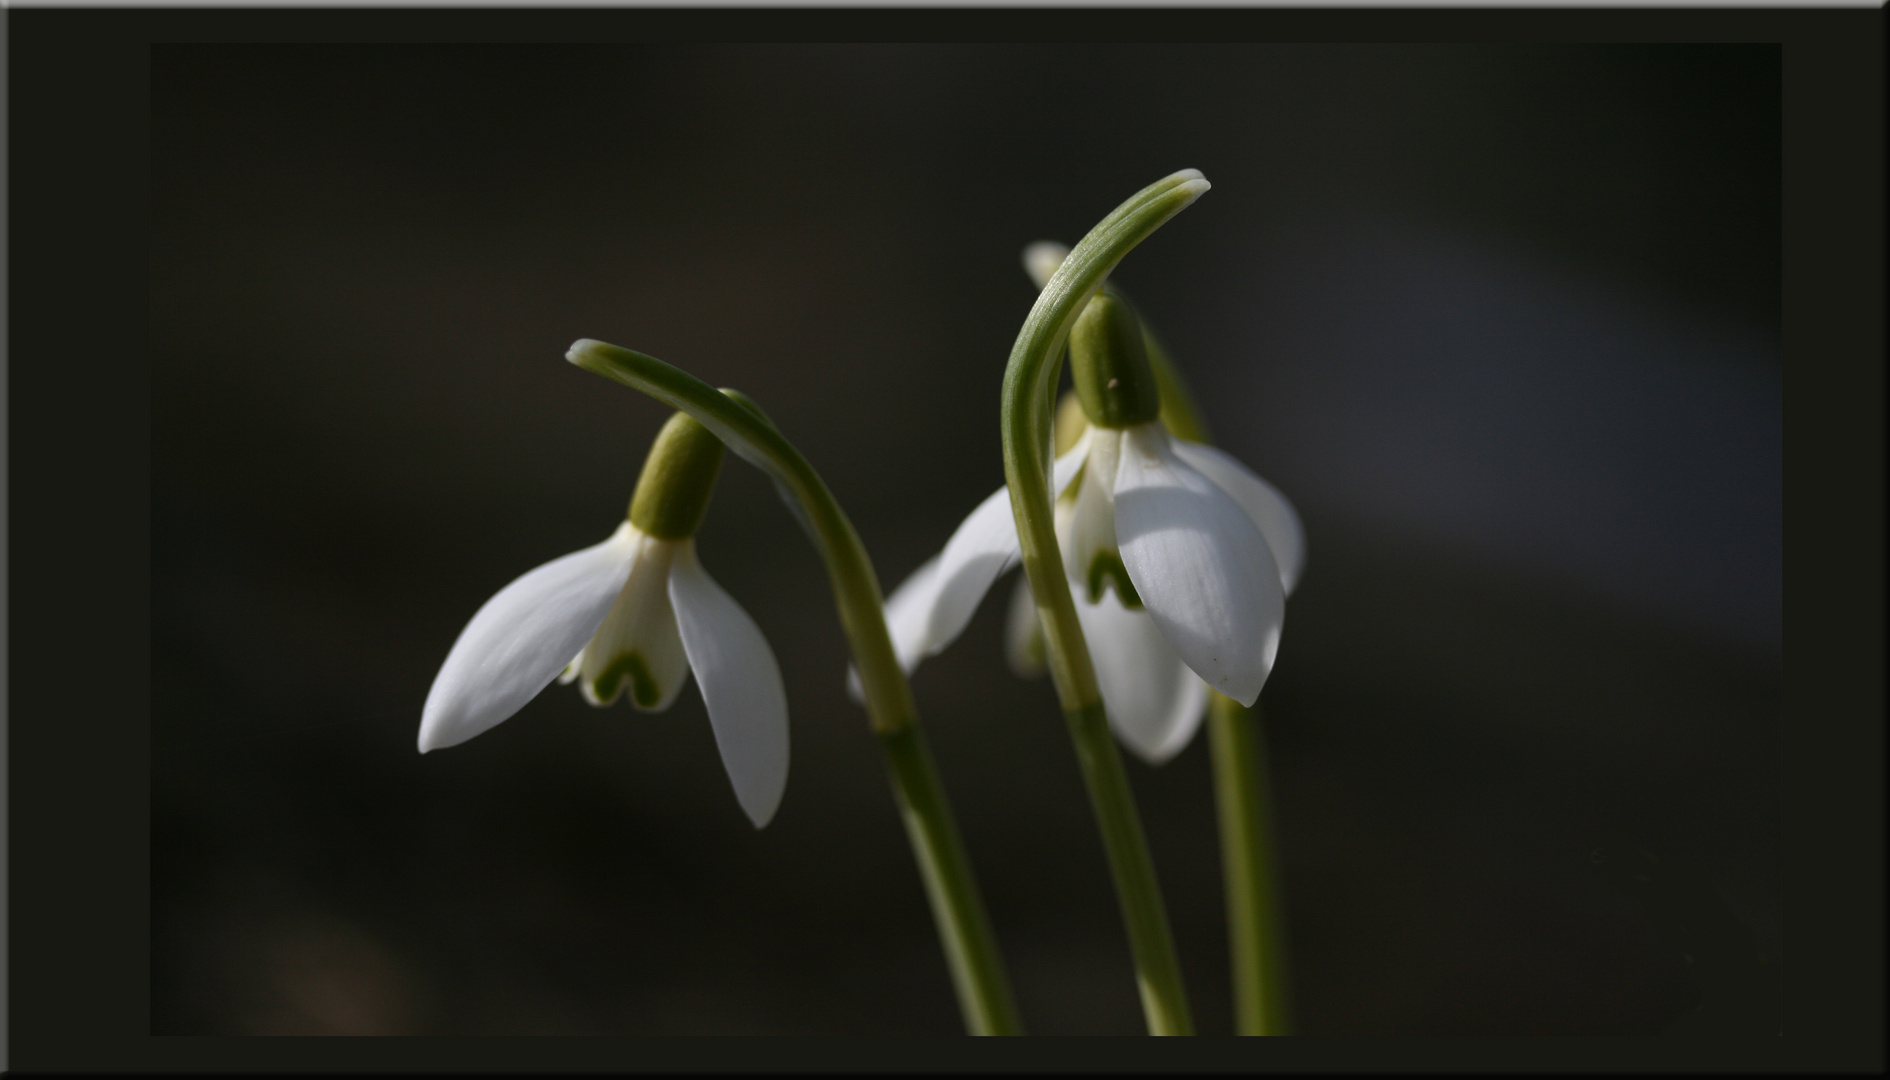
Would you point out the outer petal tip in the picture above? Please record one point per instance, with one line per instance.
(1153, 701)
(519, 640)
(909, 613)
(741, 686)
(983, 546)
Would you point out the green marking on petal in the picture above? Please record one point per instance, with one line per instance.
(631, 666)
(1107, 565)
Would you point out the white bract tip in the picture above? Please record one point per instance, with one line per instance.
(581, 345)
(1041, 260)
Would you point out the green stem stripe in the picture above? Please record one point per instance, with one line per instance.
(971, 952)
(1028, 383)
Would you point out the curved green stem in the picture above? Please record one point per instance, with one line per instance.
(970, 949)
(1028, 383)
(1255, 940)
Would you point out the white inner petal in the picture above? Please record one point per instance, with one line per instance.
(1154, 703)
(521, 638)
(637, 652)
(741, 686)
(1202, 568)
(1090, 534)
(1278, 521)
(1024, 646)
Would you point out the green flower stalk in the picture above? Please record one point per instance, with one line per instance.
(1029, 382)
(1255, 919)
(1016, 524)
(1256, 931)
(971, 951)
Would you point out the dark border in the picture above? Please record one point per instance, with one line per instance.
(79, 569)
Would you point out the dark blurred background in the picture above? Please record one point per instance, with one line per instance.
(1502, 321)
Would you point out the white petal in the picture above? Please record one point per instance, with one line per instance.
(1202, 568)
(1153, 701)
(741, 685)
(982, 548)
(1277, 520)
(637, 651)
(1090, 531)
(907, 610)
(520, 640)
(1024, 645)
(1064, 469)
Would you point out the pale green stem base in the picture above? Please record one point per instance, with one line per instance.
(984, 995)
(1158, 972)
(1255, 930)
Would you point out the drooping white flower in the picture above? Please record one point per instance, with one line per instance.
(1210, 552)
(1179, 558)
(630, 617)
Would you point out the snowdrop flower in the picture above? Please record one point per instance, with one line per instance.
(629, 617)
(1180, 558)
